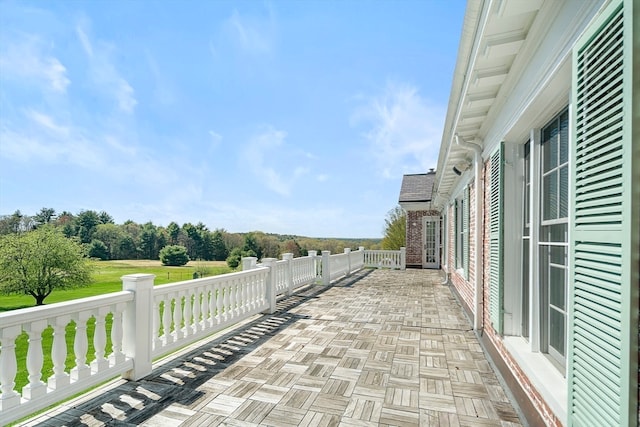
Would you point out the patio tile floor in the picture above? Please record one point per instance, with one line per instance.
(381, 347)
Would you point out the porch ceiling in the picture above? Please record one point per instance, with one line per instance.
(494, 33)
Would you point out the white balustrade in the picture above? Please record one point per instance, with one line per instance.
(385, 259)
(37, 393)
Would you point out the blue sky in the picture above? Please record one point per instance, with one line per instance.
(291, 117)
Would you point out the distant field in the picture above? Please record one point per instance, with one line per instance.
(107, 278)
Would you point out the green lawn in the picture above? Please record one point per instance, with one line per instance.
(107, 278)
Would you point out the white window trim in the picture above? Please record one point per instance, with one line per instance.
(543, 374)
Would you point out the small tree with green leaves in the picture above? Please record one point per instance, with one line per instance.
(40, 261)
(395, 229)
(174, 255)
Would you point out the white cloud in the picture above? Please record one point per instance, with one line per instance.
(47, 122)
(256, 154)
(29, 60)
(164, 92)
(216, 139)
(252, 34)
(41, 138)
(266, 154)
(403, 130)
(103, 70)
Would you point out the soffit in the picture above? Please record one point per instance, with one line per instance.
(500, 30)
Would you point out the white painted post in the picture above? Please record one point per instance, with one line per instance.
(249, 262)
(348, 252)
(289, 272)
(313, 255)
(403, 258)
(137, 333)
(326, 270)
(271, 283)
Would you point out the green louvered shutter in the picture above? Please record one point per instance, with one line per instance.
(496, 256)
(465, 230)
(603, 328)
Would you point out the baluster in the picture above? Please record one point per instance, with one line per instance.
(60, 378)
(251, 303)
(177, 317)
(234, 298)
(225, 305)
(188, 298)
(242, 295)
(116, 334)
(80, 347)
(196, 310)
(248, 292)
(218, 296)
(229, 305)
(100, 341)
(167, 338)
(36, 386)
(8, 368)
(211, 318)
(238, 296)
(204, 308)
(156, 342)
(257, 291)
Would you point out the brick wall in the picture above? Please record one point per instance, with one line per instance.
(414, 236)
(464, 286)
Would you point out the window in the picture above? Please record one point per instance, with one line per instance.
(553, 236)
(526, 234)
(462, 232)
(445, 239)
(459, 233)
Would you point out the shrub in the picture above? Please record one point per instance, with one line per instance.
(174, 255)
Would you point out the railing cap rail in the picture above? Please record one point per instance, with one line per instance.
(211, 279)
(24, 315)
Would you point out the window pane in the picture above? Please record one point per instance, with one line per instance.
(550, 147)
(564, 192)
(554, 233)
(550, 196)
(558, 255)
(525, 288)
(564, 137)
(556, 286)
(527, 162)
(556, 330)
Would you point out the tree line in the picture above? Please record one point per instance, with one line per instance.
(103, 239)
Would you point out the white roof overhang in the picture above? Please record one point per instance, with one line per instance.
(494, 35)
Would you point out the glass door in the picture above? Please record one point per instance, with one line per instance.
(431, 242)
